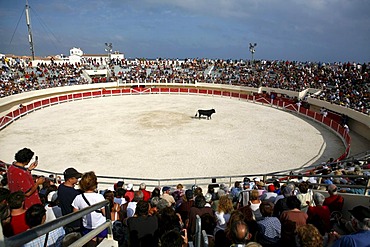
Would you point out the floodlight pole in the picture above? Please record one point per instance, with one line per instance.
(108, 49)
(30, 39)
(252, 49)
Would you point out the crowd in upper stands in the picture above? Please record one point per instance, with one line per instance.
(18, 76)
(251, 213)
(345, 84)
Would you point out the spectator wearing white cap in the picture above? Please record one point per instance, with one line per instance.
(255, 181)
(129, 196)
(53, 211)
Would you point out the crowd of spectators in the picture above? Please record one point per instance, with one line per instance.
(345, 84)
(251, 213)
(18, 76)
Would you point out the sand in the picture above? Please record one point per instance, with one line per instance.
(157, 136)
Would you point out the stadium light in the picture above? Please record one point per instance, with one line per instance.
(108, 49)
(252, 49)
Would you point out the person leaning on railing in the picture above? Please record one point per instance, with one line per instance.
(36, 216)
(66, 194)
(88, 184)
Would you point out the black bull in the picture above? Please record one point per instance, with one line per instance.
(207, 113)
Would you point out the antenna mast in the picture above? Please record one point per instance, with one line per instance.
(30, 40)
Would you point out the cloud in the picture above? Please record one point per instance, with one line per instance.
(214, 27)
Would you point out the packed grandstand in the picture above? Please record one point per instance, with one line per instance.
(302, 209)
(345, 84)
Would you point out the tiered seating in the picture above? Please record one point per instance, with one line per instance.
(344, 84)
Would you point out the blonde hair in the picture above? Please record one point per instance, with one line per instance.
(254, 195)
(225, 204)
(88, 181)
(309, 236)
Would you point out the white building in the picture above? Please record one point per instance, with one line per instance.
(76, 52)
(75, 55)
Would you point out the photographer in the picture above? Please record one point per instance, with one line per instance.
(20, 178)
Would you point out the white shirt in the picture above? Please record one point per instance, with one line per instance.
(222, 220)
(131, 207)
(94, 219)
(256, 210)
(269, 197)
(52, 213)
(120, 201)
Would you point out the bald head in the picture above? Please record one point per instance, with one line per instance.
(240, 233)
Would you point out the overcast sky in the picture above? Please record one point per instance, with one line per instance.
(303, 30)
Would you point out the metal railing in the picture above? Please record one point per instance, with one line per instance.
(27, 236)
(188, 182)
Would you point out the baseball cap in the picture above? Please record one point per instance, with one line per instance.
(52, 196)
(360, 212)
(208, 197)
(271, 188)
(189, 194)
(71, 173)
(260, 183)
(165, 188)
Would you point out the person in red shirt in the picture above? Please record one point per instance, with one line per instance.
(129, 196)
(18, 213)
(319, 215)
(146, 193)
(20, 178)
(334, 201)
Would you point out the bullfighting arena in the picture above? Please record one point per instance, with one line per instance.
(157, 136)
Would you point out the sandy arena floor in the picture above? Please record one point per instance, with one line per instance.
(157, 136)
